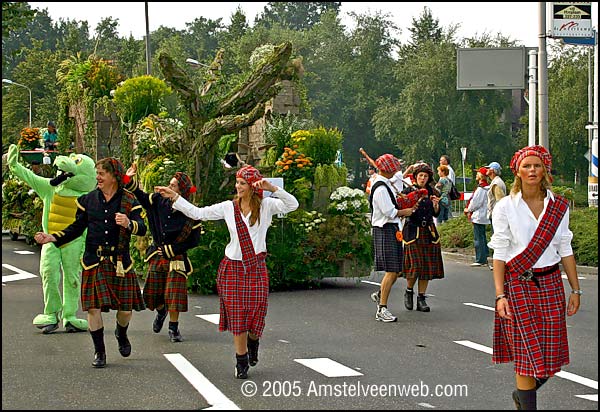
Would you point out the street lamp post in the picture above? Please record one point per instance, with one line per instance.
(22, 85)
(195, 62)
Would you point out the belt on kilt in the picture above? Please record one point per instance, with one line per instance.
(533, 274)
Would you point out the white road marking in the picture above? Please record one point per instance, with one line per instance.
(212, 318)
(426, 405)
(593, 398)
(209, 392)
(562, 374)
(20, 274)
(283, 341)
(371, 283)
(24, 252)
(328, 367)
(476, 305)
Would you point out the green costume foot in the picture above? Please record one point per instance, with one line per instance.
(41, 321)
(75, 325)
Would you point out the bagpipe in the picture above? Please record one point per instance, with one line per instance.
(409, 200)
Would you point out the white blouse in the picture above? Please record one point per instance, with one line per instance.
(279, 202)
(514, 225)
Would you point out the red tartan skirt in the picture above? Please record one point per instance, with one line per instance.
(101, 288)
(422, 258)
(548, 307)
(164, 286)
(243, 297)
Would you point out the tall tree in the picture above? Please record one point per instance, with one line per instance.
(295, 15)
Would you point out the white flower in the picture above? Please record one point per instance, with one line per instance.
(31, 192)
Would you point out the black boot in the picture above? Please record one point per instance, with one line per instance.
(527, 399)
(100, 351)
(159, 320)
(409, 302)
(241, 366)
(422, 304)
(121, 335)
(174, 334)
(539, 382)
(252, 351)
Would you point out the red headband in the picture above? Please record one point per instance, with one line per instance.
(186, 188)
(250, 175)
(388, 163)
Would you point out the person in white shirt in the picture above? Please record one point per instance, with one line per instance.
(477, 209)
(445, 160)
(497, 188)
(531, 236)
(387, 230)
(242, 280)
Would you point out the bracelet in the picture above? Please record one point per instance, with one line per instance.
(577, 292)
(501, 296)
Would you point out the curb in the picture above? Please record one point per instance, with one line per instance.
(460, 257)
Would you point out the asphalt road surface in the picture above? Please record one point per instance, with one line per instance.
(321, 349)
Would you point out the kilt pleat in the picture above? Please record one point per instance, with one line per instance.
(243, 297)
(547, 306)
(101, 288)
(423, 259)
(388, 251)
(165, 287)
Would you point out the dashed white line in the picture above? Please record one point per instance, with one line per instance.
(206, 388)
(328, 367)
(20, 274)
(212, 318)
(477, 305)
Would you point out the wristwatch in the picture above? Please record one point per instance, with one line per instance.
(577, 292)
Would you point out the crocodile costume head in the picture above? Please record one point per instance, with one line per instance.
(76, 175)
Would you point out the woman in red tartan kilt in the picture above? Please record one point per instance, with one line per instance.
(421, 240)
(111, 215)
(531, 236)
(242, 280)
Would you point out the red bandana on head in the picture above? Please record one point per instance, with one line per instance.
(538, 151)
(186, 188)
(250, 175)
(388, 163)
(119, 171)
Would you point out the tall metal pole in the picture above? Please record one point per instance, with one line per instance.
(532, 95)
(543, 78)
(593, 178)
(148, 64)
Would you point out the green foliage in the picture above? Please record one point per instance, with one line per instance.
(207, 256)
(21, 208)
(330, 176)
(279, 129)
(319, 144)
(159, 172)
(138, 97)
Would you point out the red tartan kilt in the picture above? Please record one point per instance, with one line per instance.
(423, 259)
(243, 297)
(101, 288)
(164, 287)
(547, 305)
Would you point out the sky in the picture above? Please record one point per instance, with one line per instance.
(519, 21)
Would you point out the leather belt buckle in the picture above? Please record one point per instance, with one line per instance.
(527, 275)
(423, 223)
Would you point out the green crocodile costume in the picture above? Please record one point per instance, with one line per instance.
(77, 176)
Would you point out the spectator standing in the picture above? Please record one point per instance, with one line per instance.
(242, 280)
(477, 210)
(445, 161)
(443, 185)
(111, 215)
(497, 188)
(531, 237)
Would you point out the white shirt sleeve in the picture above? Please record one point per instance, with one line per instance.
(214, 212)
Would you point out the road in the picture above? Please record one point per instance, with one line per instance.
(322, 349)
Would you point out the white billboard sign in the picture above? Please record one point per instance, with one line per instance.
(572, 19)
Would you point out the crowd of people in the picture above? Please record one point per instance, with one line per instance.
(530, 237)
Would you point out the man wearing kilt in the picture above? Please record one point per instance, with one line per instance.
(173, 234)
(386, 225)
(531, 236)
(421, 240)
(111, 215)
(242, 280)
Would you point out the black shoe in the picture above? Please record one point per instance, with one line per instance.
(99, 360)
(175, 335)
(409, 302)
(49, 328)
(252, 351)
(422, 304)
(70, 328)
(241, 367)
(123, 341)
(159, 321)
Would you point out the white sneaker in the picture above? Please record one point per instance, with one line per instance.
(474, 264)
(384, 315)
